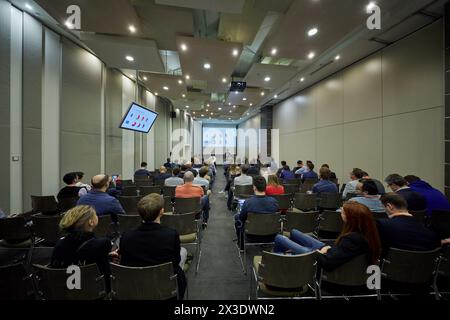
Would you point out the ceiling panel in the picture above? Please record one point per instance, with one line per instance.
(226, 6)
(156, 82)
(253, 96)
(113, 50)
(278, 75)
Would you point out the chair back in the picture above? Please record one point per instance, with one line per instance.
(331, 221)
(440, 223)
(379, 215)
(129, 191)
(187, 205)
(282, 271)
(330, 201)
(259, 224)
(352, 273)
(14, 229)
(168, 205)
(159, 183)
(14, 284)
(291, 188)
(146, 190)
(129, 203)
(128, 222)
(140, 178)
(305, 222)
(305, 202)
(351, 195)
(444, 265)
(419, 215)
(52, 283)
(169, 191)
(65, 204)
(284, 201)
(243, 191)
(47, 228)
(144, 183)
(413, 267)
(183, 223)
(44, 204)
(126, 183)
(308, 185)
(296, 181)
(104, 228)
(146, 283)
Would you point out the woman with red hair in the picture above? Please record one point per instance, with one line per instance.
(359, 236)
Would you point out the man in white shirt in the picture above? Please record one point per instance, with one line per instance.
(200, 180)
(174, 180)
(350, 187)
(243, 179)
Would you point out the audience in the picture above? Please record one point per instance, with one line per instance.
(325, 185)
(162, 175)
(102, 202)
(332, 174)
(273, 186)
(350, 187)
(189, 190)
(175, 180)
(436, 200)
(402, 230)
(380, 187)
(310, 174)
(359, 236)
(286, 174)
(398, 184)
(260, 203)
(151, 244)
(80, 246)
(71, 190)
(201, 180)
(369, 196)
(142, 171)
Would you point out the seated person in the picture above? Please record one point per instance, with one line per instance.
(379, 185)
(162, 175)
(168, 164)
(201, 180)
(398, 184)
(436, 200)
(71, 190)
(273, 186)
(310, 174)
(189, 190)
(402, 230)
(350, 187)
(359, 236)
(189, 168)
(253, 169)
(258, 204)
(142, 171)
(80, 246)
(298, 167)
(98, 198)
(174, 180)
(241, 180)
(286, 174)
(80, 176)
(325, 185)
(283, 164)
(152, 244)
(332, 174)
(369, 196)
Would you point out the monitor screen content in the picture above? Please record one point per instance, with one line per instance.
(138, 119)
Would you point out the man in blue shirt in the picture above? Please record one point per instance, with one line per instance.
(258, 204)
(142, 172)
(324, 185)
(98, 198)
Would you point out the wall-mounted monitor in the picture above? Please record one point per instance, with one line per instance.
(138, 118)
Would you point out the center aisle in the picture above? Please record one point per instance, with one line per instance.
(220, 275)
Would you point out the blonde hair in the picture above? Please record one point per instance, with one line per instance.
(273, 180)
(76, 218)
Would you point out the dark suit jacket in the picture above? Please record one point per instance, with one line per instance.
(350, 246)
(152, 244)
(416, 201)
(406, 233)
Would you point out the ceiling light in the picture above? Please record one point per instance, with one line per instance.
(244, 99)
(235, 52)
(337, 57)
(166, 88)
(207, 105)
(234, 107)
(183, 95)
(302, 79)
(129, 58)
(183, 47)
(28, 6)
(274, 51)
(224, 80)
(370, 6)
(193, 112)
(69, 25)
(207, 65)
(267, 79)
(312, 32)
(156, 93)
(202, 115)
(206, 110)
(212, 113)
(311, 55)
(262, 93)
(248, 113)
(229, 103)
(187, 107)
(187, 77)
(275, 96)
(145, 78)
(132, 28)
(229, 118)
(251, 104)
(230, 111)
(180, 81)
(220, 109)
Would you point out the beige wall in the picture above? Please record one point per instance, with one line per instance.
(383, 114)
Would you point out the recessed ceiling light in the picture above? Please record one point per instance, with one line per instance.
(311, 55)
(248, 113)
(187, 77)
(273, 51)
(207, 65)
(230, 111)
(145, 78)
(207, 105)
(251, 104)
(267, 79)
(263, 93)
(206, 110)
(244, 99)
(166, 88)
(180, 81)
(183, 47)
(275, 96)
(312, 32)
(69, 25)
(129, 58)
(302, 79)
(203, 115)
(229, 118)
(224, 80)
(235, 52)
(234, 107)
(183, 95)
(156, 93)
(370, 6)
(337, 57)
(132, 28)
(212, 113)
(220, 109)
(193, 112)
(28, 6)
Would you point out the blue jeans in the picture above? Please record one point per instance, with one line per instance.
(204, 202)
(299, 243)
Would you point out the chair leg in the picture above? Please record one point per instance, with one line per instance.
(199, 256)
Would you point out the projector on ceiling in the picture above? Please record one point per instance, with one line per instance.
(238, 86)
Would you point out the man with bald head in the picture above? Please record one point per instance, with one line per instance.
(98, 198)
(190, 190)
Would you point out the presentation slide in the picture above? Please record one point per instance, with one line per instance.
(138, 119)
(219, 140)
